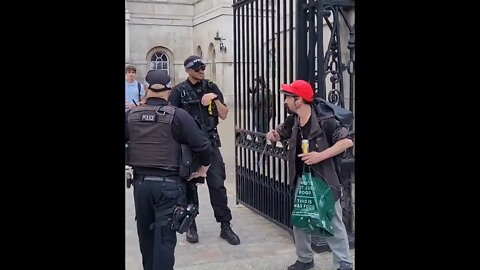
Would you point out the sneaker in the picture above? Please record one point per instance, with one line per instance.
(300, 266)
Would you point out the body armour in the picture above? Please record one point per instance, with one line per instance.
(191, 102)
(207, 116)
(151, 142)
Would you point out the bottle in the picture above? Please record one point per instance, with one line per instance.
(305, 146)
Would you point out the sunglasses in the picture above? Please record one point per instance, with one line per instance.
(200, 68)
(287, 94)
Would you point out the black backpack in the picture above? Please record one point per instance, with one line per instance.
(139, 90)
(325, 110)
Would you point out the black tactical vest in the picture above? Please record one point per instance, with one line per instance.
(191, 102)
(151, 142)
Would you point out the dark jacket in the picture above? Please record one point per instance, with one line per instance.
(262, 102)
(319, 141)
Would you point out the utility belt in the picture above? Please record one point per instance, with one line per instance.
(212, 135)
(168, 179)
(131, 177)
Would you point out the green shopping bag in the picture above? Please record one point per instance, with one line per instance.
(314, 206)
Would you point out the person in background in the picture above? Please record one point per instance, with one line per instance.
(134, 90)
(262, 105)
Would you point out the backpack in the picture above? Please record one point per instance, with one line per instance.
(139, 90)
(326, 110)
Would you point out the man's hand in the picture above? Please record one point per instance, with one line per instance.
(202, 172)
(312, 157)
(273, 136)
(336, 149)
(207, 98)
(129, 106)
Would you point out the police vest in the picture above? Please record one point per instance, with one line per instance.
(191, 102)
(151, 142)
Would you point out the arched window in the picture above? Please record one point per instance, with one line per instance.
(199, 51)
(160, 61)
(212, 60)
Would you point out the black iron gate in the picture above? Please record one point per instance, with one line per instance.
(275, 42)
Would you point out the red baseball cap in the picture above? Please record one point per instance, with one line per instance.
(299, 88)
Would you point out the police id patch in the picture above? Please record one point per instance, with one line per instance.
(148, 117)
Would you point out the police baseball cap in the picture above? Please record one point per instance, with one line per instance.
(194, 62)
(298, 88)
(158, 80)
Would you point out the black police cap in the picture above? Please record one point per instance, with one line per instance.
(158, 80)
(194, 62)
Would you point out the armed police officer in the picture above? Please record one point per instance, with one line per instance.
(204, 101)
(156, 133)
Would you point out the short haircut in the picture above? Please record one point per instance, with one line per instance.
(130, 68)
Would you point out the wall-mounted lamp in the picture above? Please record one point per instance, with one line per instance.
(223, 48)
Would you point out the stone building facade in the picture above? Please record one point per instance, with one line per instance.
(161, 34)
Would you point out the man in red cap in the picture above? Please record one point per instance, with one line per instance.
(327, 139)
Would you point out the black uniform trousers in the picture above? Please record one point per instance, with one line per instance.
(216, 187)
(157, 240)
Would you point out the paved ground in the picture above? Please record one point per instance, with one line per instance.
(264, 245)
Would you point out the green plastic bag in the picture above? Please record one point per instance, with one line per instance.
(314, 206)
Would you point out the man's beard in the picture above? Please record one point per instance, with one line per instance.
(288, 109)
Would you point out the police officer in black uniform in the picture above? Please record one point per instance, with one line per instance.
(204, 101)
(155, 132)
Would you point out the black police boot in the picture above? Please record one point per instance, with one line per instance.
(191, 233)
(227, 234)
(300, 266)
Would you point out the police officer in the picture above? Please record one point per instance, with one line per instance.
(155, 132)
(204, 101)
